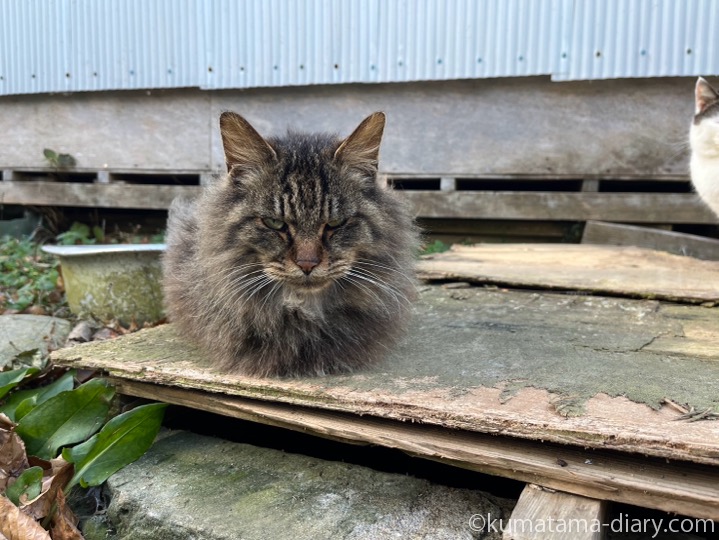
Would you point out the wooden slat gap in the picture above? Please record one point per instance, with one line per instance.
(680, 487)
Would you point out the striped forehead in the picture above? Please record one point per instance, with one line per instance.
(305, 197)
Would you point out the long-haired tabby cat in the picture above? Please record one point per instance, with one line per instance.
(704, 141)
(297, 262)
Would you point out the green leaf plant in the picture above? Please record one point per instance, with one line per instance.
(69, 417)
(10, 379)
(123, 440)
(29, 483)
(56, 420)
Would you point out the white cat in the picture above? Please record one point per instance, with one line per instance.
(704, 141)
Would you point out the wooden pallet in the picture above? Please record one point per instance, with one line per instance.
(507, 382)
(441, 197)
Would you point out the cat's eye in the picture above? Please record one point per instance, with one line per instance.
(274, 224)
(334, 223)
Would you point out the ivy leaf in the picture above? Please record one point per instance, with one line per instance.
(29, 483)
(123, 440)
(67, 418)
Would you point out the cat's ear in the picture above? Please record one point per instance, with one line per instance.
(704, 95)
(244, 147)
(361, 149)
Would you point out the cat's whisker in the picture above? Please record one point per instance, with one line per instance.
(241, 266)
(397, 265)
(231, 278)
(243, 297)
(377, 281)
(251, 285)
(350, 278)
(237, 294)
(394, 294)
(385, 268)
(232, 272)
(391, 289)
(244, 279)
(273, 290)
(231, 290)
(369, 276)
(261, 285)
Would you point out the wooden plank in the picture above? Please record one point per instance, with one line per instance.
(477, 237)
(503, 228)
(463, 231)
(699, 333)
(541, 514)
(542, 177)
(526, 365)
(112, 195)
(616, 234)
(684, 488)
(613, 270)
(624, 207)
(636, 207)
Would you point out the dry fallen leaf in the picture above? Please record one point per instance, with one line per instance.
(35, 310)
(81, 333)
(15, 525)
(104, 333)
(64, 522)
(13, 459)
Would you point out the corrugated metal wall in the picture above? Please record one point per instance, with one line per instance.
(84, 45)
(643, 38)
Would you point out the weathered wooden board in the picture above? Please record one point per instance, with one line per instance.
(613, 270)
(575, 518)
(112, 195)
(671, 486)
(580, 370)
(618, 234)
(549, 230)
(551, 206)
(579, 206)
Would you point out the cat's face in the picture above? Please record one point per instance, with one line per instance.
(302, 207)
(704, 133)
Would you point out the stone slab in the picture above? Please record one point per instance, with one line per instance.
(195, 487)
(24, 333)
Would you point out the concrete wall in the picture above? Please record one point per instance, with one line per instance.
(527, 126)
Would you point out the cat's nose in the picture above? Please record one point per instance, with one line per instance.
(307, 265)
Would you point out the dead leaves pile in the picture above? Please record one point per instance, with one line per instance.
(48, 507)
(87, 330)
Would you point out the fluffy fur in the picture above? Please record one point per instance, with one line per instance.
(297, 262)
(704, 141)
